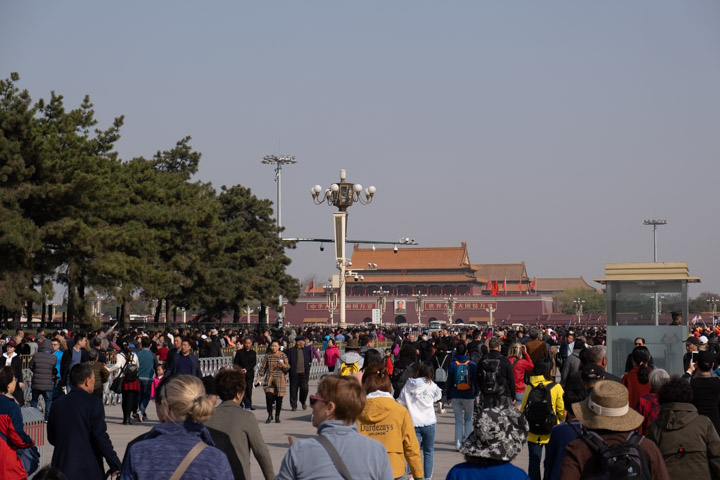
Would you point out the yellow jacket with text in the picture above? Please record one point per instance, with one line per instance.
(388, 422)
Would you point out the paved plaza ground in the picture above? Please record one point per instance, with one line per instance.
(297, 424)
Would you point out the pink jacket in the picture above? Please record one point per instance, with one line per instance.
(331, 355)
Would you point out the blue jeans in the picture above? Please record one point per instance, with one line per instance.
(519, 397)
(535, 453)
(144, 397)
(426, 439)
(36, 394)
(463, 411)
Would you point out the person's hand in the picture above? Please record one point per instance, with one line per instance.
(243, 370)
(291, 440)
(691, 370)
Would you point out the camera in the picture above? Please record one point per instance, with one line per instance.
(395, 249)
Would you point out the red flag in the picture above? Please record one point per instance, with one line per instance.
(488, 287)
(311, 286)
(494, 290)
(520, 285)
(505, 285)
(532, 285)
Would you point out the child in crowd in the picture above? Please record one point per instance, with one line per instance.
(388, 361)
(159, 373)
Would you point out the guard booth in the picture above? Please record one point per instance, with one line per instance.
(647, 300)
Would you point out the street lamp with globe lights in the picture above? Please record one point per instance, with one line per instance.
(419, 306)
(342, 195)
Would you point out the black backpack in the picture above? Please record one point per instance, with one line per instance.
(539, 410)
(492, 384)
(622, 461)
(131, 370)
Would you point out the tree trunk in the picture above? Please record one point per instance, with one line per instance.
(29, 312)
(126, 313)
(43, 309)
(174, 315)
(236, 313)
(167, 309)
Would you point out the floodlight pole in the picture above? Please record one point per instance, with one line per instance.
(279, 161)
(655, 224)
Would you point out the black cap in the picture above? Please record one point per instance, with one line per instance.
(592, 372)
(693, 340)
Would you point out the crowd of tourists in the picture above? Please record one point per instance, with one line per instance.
(542, 390)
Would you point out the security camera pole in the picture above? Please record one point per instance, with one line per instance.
(342, 195)
(279, 161)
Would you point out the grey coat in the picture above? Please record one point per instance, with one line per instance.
(365, 458)
(680, 426)
(242, 428)
(43, 368)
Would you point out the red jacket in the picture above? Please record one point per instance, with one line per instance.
(11, 425)
(519, 370)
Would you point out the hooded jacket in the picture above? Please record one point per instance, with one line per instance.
(350, 356)
(687, 441)
(418, 396)
(385, 420)
(556, 394)
(43, 368)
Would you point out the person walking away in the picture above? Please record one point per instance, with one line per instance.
(246, 360)
(78, 431)
(300, 360)
(100, 371)
(419, 396)
(607, 414)
(497, 438)
(12, 430)
(385, 420)
(637, 380)
(687, 440)
(706, 388)
(461, 390)
(441, 363)
(183, 408)
(147, 361)
(536, 348)
(543, 407)
(336, 406)
(242, 426)
(521, 363)
(404, 367)
(495, 378)
(126, 364)
(562, 434)
(648, 405)
(272, 372)
(43, 369)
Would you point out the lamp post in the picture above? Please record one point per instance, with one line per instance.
(279, 161)
(713, 301)
(342, 195)
(450, 308)
(578, 308)
(332, 301)
(491, 310)
(381, 302)
(419, 306)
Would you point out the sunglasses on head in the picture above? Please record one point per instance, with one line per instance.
(314, 399)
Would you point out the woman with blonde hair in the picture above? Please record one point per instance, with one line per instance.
(180, 438)
(521, 362)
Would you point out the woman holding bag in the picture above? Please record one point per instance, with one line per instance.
(127, 362)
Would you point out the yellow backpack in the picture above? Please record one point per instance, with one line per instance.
(349, 368)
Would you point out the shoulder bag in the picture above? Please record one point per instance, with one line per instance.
(191, 455)
(335, 456)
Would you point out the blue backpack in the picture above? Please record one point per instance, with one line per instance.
(462, 376)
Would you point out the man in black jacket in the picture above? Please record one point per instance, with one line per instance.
(495, 377)
(246, 359)
(78, 431)
(300, 359)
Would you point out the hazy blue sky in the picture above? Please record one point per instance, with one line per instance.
(543, 132)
